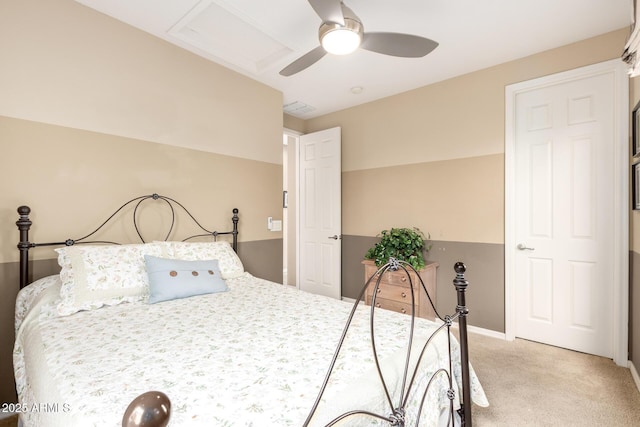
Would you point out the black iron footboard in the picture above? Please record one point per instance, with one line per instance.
(398, 408)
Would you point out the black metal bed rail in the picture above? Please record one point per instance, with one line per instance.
(399, 410)
(24, 224)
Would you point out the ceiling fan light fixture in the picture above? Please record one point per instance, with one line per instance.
(342, 33)
(341, 40)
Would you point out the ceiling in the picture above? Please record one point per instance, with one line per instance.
(258, 38)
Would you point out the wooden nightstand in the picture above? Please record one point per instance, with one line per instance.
(394, 293)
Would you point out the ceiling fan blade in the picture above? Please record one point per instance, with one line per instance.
(328, 10)
(306, 60)
(397, 44)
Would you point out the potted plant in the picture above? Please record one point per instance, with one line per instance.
(405, 244)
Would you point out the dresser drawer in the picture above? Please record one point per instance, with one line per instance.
(394, 293)
(392, 305)
(397, 278)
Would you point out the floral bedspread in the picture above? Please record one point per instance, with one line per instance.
(253, 356)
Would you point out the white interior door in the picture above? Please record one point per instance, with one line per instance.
(320, 229)
(563, 246)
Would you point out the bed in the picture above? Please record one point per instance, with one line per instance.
(182, 317)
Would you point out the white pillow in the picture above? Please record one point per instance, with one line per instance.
(95, 276)
(230, 265)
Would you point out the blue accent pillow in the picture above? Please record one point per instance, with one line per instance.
(174, 278)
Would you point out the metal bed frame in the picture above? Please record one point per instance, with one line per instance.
(24, 225)
(397, 408)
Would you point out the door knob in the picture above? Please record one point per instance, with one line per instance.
(524, 247)
(335, 237)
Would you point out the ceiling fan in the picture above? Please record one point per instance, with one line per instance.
(342, 32)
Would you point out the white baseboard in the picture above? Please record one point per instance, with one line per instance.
(634, 374)
(480, 331)
(487, 332)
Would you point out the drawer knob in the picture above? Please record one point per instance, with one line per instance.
(404, 295)
(404, 279)
(378, 305)
(404, 311)
(378, 291)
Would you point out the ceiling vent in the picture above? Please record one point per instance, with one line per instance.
(216, 30)
(297, 108)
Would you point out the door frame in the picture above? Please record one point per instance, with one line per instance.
(621, 198)
(294, 195)
(292, 209)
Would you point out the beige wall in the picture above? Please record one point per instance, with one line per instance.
(66, 64)
(94, 113)
(434, 158)
(456, 118)
(461, 121)
(294, 123)
(127, 114)
(416, 195)
(73, 178)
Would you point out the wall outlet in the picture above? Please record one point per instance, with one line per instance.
(274, 224)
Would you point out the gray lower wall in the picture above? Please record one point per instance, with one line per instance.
(485, 273)
(262, 258)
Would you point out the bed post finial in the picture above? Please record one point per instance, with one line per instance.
(24, 224)
(461, 283)
(235, 229)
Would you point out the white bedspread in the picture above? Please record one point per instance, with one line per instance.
(253, 356)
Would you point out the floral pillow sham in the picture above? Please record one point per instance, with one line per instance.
(95, 276)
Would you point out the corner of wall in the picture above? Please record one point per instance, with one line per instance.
(294, 123)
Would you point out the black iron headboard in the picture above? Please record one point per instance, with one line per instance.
(24, 225)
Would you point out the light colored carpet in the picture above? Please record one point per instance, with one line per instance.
(531, 384)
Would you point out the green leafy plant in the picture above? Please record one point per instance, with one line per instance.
(405, 244)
